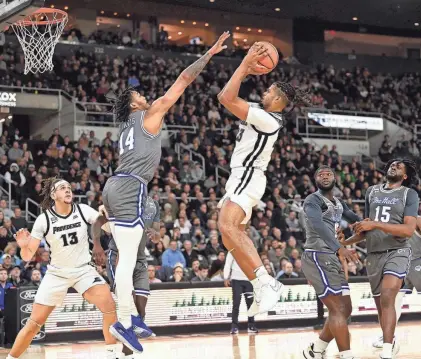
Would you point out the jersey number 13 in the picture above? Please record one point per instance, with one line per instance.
(69, 239)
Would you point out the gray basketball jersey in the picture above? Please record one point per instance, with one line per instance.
(415, 242)
(387, 206)
(140, 152)
(151, 214)
(332, 214)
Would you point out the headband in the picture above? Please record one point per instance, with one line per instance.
(57, 185)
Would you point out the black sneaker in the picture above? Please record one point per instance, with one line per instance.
(234, 329)
(252, 329)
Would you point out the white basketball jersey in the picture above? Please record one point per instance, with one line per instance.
(256, 138)
(67, 236)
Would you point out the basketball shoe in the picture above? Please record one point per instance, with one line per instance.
(127, 336)
(266, 292)
(395, 350)
(309, 353)
(140, 328)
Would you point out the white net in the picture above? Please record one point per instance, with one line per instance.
(38, 35)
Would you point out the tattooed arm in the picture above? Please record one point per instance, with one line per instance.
(154, 116)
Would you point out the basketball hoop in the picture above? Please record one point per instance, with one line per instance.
(38, 35)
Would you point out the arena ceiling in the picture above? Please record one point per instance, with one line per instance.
(385, 13)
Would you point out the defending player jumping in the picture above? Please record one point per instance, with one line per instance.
(259, 127)
(64, 226)
(391, 211)
(125, 193)
(151, 218)
(322, 265)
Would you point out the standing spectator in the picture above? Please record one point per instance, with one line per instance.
(18, 221)
(15, 152)
(4, 285)
(234, 276)
(173, 255)
(151, 274)
(93, 141)
(18, 180)
(202, 274)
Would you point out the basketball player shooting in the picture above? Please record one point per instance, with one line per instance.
(151, 218)
(124, 194)
(322, 265)
(64, 226)
(391, 211)
(258, 131)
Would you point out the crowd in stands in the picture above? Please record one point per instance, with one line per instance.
(190, 248)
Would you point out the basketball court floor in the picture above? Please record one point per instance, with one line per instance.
(271, 344)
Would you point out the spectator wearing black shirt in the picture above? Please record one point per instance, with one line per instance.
(189, 253)
(18, 221)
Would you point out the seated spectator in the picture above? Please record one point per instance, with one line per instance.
(202, 275)
(173, 256)
(298, 268)
(4, 207)
(189, 253)
(288, 272)
(270, 270)
(221, 256)
(216, 272)
(7, 262)
(11, 250)
(178, 274)
(157, 251)
(213, 247)
(45, 260)
(15, 277)
(35, 278)
(17, 220)
(4, 285)
(152, 275)
(292, 244)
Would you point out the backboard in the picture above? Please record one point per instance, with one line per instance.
(14, 10)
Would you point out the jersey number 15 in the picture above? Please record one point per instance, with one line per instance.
(128, 143)
(383, 215)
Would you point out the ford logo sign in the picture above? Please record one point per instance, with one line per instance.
(27, 308)
(28, 294)
(24, 321)
(39, 336)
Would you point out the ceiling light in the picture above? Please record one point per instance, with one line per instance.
(118, 25)
(245, 40)
(66, 8)
(115, 14)
(102, 12)
(237, 28)
(180, 33)
(277, 9)
(355, 18)
(169, 37)
(206, 24)
(128, 15)
(194, 22)
(97, 24)
(248, 29)
(182, 21)
(417, 24)
(260, 30)
(52, 6)
(212, 0)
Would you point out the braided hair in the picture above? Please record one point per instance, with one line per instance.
(293, 94)
(411, 171)
(122, 107)
(48, 184)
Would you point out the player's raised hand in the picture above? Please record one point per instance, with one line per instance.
(255, 53)
(23, 238)
(103, 211)
(98, 255)
(219, 45)
(153, 235)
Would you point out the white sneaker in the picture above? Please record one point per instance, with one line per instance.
(265, 296)
(395, 350)
(378, 343)
(309, 353)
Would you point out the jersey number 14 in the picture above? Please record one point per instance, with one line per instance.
(128, 143)
(382, 214)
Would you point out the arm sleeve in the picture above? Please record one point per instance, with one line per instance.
(22, 179)
(264, 121)
(40, 227)
(157, 217)
(228, 265)
(367, 203)
(89, 213)
(349, 216)
(412, 204)
(314, 214)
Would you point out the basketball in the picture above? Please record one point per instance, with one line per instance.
(269, 62)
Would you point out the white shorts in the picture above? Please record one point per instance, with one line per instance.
(245, 187)
(57, 281)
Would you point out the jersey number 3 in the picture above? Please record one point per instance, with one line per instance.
(70, 238)
(127, 144)
(384, 215)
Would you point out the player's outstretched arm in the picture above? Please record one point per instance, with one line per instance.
(28, 244)
(356, 238)
(228, 97)
(154, 116)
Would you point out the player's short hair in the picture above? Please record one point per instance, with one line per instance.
(293, 94)
(411, 171)
(321, 168)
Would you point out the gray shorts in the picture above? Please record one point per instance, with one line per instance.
(325, 273)
(413, 279)
(394, 262)
(140, 274)
(124, 199)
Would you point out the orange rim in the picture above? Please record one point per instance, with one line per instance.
(60, 17)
